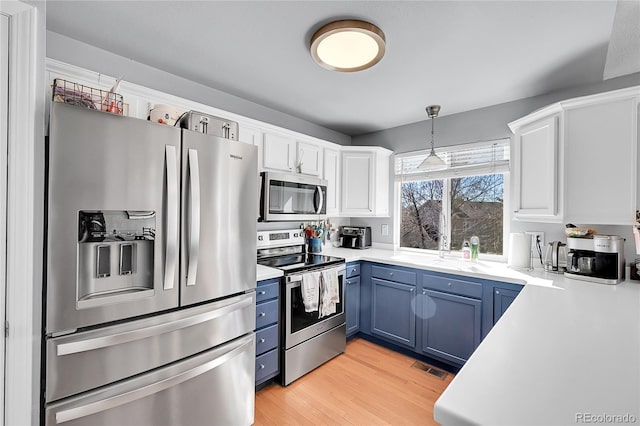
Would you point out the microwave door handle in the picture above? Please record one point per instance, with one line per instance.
(194, 220)
(171, 239)
(321, 197)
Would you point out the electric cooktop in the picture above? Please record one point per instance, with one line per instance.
(300, 261)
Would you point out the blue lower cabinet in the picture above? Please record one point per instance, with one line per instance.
(266, 366)
(502, 299)
(267, 330)
(392, 315)
(451, 325)
(352, 302)
(267, 338)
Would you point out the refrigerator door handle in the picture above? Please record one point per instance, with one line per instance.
(321, 202)
(234, 348)
(171, 254)
(194, 221)
(221, 309)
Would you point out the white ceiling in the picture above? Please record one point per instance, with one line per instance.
(460, 54)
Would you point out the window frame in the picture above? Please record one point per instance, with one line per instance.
(450, 174)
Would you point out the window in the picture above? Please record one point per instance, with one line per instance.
(440, 210)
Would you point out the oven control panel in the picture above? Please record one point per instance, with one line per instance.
(280, 238)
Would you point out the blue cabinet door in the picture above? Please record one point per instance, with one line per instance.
(352, 301)
(267, 330)
(392, 315)
(502, 299)
(451, 325)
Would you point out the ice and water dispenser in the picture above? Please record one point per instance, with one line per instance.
(115, 256)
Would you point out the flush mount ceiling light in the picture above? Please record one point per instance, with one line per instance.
(348, 45)
(432, 162)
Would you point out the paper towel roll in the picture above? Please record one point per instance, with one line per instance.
(519, 255)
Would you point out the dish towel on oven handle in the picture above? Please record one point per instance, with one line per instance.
(329, 293)
(310, 289)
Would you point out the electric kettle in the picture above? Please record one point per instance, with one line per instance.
(555, 257)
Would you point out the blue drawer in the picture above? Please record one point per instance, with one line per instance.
(266, 365)
(393, 274)
(267, 291)
(266, 313)
(266, 339)
(448, 285)
(353, 269)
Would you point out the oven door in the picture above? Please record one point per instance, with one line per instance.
(292, 197)
(300, 325)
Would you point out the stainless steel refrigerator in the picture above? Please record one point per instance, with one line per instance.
(150, 273)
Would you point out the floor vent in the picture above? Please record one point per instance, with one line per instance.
(440, 374)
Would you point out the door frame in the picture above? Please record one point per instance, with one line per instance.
(25, 211)
(4, 104)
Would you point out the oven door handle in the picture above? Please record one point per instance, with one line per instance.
(295, 280)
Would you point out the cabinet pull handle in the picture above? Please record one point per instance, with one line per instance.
(261, 341)
(354, 270)
(449, 284)
(424, 293)
(391, 273)
(516, 211)
(411, 290)
(261, 366)
(497, 292)
(262, 314)
(263, 292)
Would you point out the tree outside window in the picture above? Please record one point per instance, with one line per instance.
(474, 205)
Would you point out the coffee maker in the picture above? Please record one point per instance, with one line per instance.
(357, 237)
(598, 259)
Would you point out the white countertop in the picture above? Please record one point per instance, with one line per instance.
(559, 352)
(564, 349)
(265, 273)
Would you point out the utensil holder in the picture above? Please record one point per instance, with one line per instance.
(315, 245)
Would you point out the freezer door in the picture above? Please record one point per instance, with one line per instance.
(87, 360)
(127, 170)
(219, 201)
(213, 388)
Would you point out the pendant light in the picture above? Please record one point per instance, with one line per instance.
(432, 162)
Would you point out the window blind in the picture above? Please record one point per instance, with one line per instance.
(471, 159)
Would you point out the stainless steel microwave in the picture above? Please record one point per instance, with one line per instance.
(292, 197)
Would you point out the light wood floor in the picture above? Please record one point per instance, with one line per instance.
(367, 385)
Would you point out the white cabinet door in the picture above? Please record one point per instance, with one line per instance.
(365, 182)
(535, 171)
(278, 152)
(600, 163)
(252, 136)
(358, 181)
(249, 135)
(309, 158)
(332, 176)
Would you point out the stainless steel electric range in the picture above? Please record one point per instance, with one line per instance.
(309, 338)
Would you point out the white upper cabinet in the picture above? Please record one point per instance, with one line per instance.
(309, 158)
(601, 162)
(576, 161)
(365, 181)
(331, 164)
(535, 170)
(278, 152)
(251, 136)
